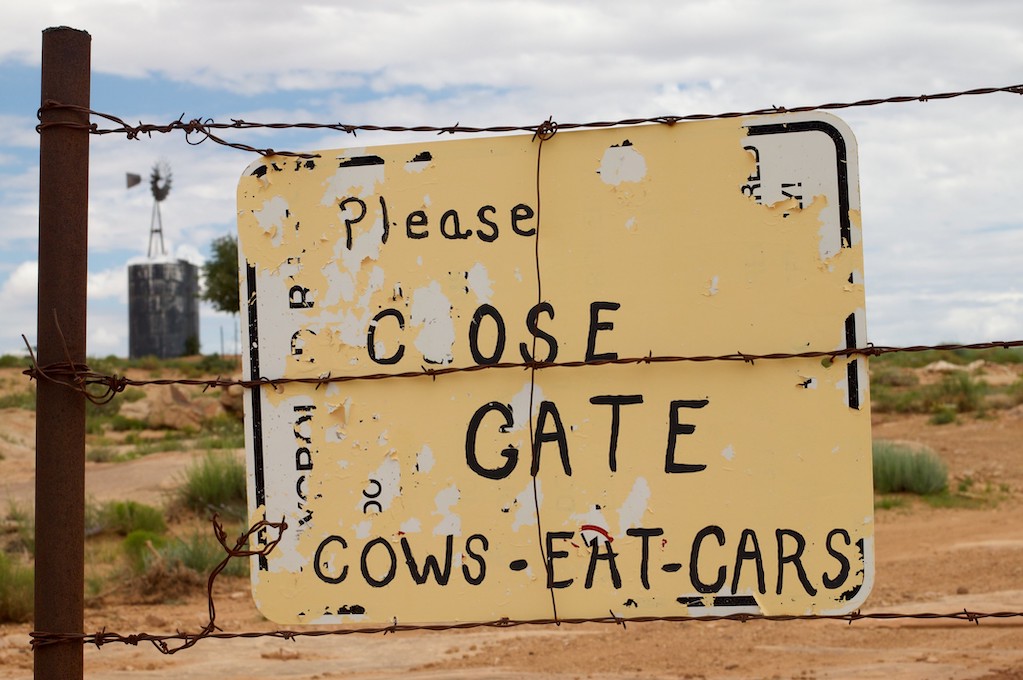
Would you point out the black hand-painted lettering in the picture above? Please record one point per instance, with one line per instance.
(645, 534)
(387, 222)
(608, 556)
(492, 236)
(553, 554)
(843, 562)
(298, 435)
(795, 558)
(742, 554)
(478, 557)
(375, 494)
(392, 567)
(675, 429)
(615, 401)
(597, 325)
(416, 218)
(303, 459)
(474, 335)
(297, 298)
(694, 560)
(511, 454)
(451, 217)
(532, 323)
(441, 575)
(371, 337)
(519, 213)
(354, 220)
(549, 409)
(319, 564)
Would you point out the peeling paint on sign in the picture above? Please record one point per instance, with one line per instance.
(659, 489)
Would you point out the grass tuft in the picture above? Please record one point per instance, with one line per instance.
(900, 468)
(215, 482)
(17, 593)
(123, 518)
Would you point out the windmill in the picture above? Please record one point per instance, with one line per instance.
(159, 185)
(163, 294)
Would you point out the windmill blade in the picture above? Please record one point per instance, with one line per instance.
(160, 181)
(131, 179)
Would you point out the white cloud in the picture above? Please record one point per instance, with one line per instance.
(21, 283)
(109, 283)
(939, 179)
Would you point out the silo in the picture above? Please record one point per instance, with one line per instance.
(163, 309)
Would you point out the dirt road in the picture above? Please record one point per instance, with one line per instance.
(946, 559)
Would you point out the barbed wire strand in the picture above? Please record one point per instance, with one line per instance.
(81, 378)
(162, 642)
(203, 128)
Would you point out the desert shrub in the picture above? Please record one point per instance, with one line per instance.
(200, 553)
(151, 555)
(214, 364)
(26, 399)
(222, 432)
(11, 361)
(102, 454)
(1014, 392)
(141, 547)
(214, 482)
(23, 538)
(959, 390)
(943, 414)
(887, 399)
(17, 593)
(901, 468)
(893, 377)
(124, 517)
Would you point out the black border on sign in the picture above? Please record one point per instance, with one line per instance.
(844, 228)
(845, 234)
(256, 398)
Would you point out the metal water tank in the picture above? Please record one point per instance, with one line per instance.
(163, 309)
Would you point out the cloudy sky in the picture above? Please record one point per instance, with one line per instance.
(940, 181)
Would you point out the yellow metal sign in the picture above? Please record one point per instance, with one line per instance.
(588, 484)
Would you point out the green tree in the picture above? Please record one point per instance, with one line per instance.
(221, 273)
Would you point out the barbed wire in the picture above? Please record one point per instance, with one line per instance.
(201, 129)
(100, 388)
(162, 642)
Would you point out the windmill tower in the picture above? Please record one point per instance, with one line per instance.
(163, 294)
(160, 184)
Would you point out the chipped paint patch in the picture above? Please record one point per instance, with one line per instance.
(728, 453)
(527, 510)
(450, 523)
(630, 514)
(713, 288)
(387, 482)
(271, 218)
(520, 405)
(622, 163)
(431, 312)
(359, 180)
(479, 283)
(425, 459)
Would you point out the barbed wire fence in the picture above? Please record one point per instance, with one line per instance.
(101, 388)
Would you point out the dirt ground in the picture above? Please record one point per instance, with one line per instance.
(928, 559)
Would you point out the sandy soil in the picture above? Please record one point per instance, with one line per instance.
(928, 560)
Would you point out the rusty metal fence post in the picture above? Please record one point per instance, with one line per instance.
(60, 411)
